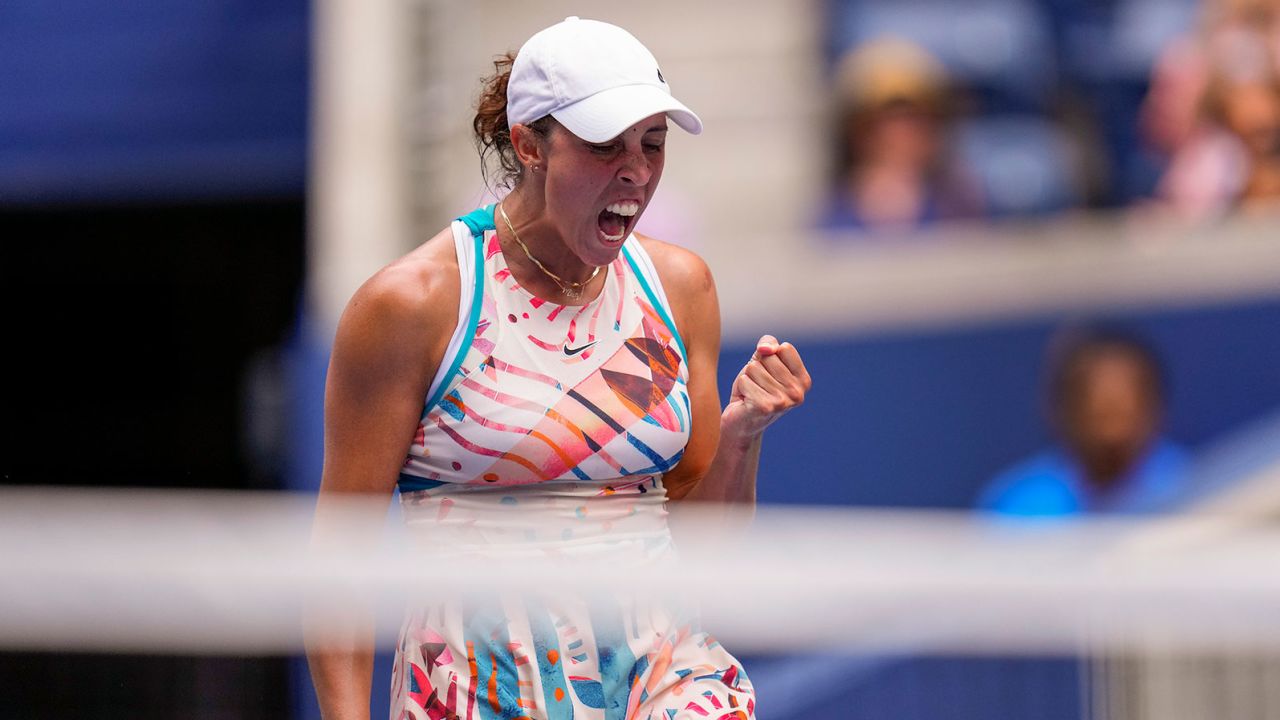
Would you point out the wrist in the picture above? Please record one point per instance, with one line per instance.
(735, 435)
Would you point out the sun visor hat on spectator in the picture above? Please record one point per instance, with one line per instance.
(594, 78)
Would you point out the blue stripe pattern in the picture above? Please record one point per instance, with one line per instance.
(410, 483)
(546, 640)
(452, 409)
(616, 661)
(485, 627)
(658, 461)
(653, 300)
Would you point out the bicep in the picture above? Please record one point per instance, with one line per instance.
(377, 382)
(697, 315)
(373, 399)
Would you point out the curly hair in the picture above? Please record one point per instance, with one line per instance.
(492, 136)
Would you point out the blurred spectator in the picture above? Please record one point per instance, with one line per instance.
(893, 169)
(1251, 111)
(1214, 108)
(1105, 394)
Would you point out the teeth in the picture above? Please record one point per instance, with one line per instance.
(626, 209)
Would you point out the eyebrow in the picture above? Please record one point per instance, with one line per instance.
(663, 128)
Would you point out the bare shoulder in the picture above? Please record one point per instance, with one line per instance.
(413, 288)
(406, 312)
(685, 276)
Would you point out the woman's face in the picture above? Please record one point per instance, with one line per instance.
(595, 192)
(1252, 111)
(901, 134)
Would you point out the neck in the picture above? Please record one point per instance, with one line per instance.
(1104, 469)
(536, 252)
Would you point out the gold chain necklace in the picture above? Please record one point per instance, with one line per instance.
(570, 289)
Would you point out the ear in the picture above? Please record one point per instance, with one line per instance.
(530, 147)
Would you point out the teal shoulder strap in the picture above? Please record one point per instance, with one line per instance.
(478, 221)
(642, 276)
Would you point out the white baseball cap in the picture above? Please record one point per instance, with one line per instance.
(594, 78)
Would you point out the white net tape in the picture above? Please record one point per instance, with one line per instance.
(220, 572)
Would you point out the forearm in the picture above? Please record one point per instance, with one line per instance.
(338, 625)
(731, 477)
(342, 672)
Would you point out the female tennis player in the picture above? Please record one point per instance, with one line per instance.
(539, 374)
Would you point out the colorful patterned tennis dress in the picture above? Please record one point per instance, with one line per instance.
(550, 427)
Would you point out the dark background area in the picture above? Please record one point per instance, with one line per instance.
(152, 220)
(132, 687)
(131, 334)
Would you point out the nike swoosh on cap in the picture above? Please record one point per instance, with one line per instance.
(574, 351)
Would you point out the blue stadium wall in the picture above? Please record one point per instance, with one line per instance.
(923, 419)
(151, 99)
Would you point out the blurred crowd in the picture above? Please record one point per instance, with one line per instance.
(997, 108)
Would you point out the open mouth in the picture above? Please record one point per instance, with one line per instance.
(615, 220)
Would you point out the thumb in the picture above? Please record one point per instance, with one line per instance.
(766, 345)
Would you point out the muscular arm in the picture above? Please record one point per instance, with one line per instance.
(389, 341)
(723, 454)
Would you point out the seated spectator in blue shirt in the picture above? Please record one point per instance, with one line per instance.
(1106, 404)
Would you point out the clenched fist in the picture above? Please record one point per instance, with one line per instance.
(772, 382)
